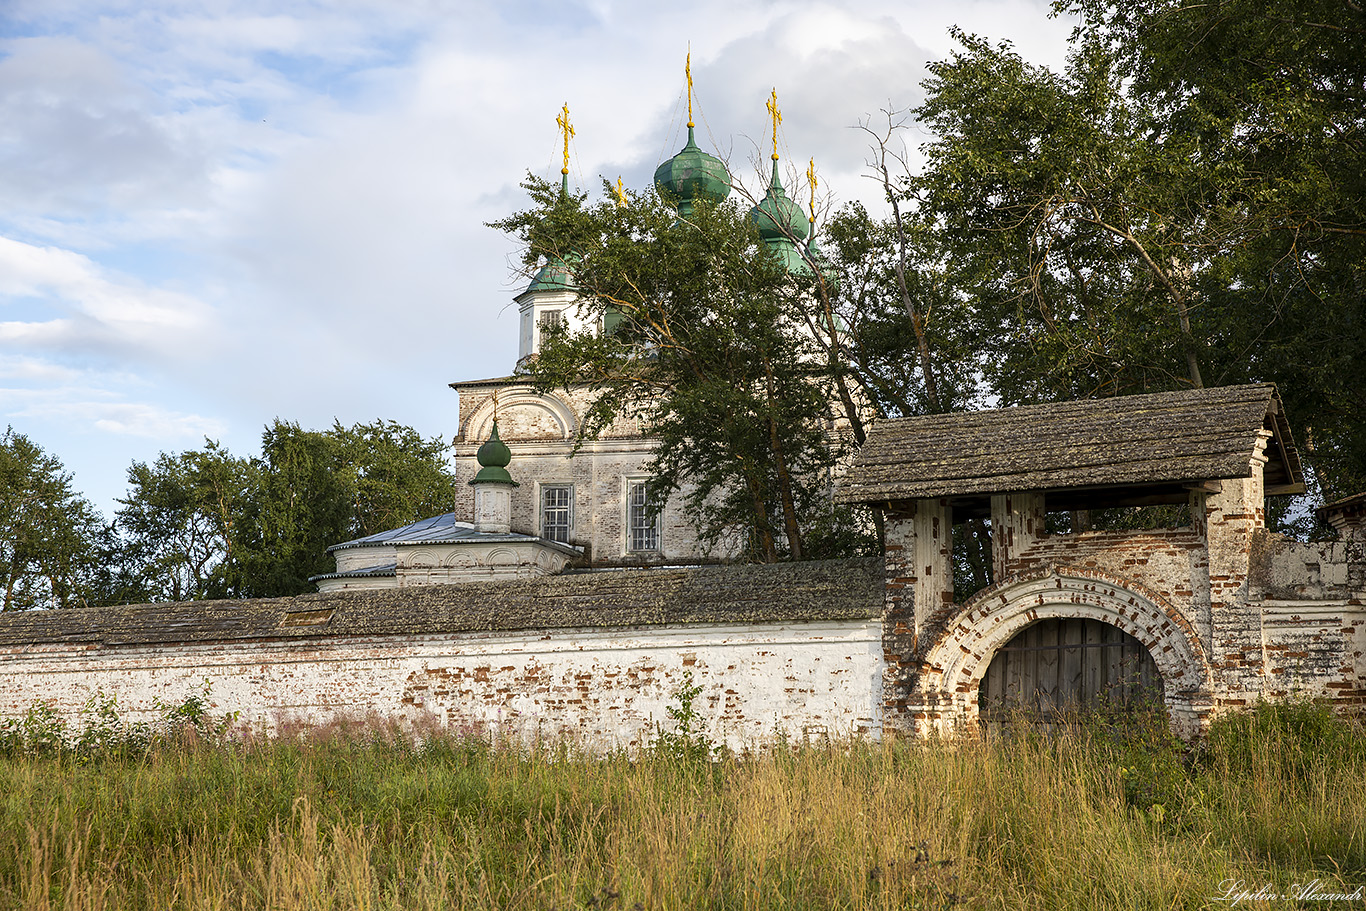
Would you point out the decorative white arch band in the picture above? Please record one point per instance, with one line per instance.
(954, 666)
(521, 408)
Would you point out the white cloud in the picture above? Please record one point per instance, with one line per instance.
(252, 208)
(249, 33)
(152, 422)
(77, 137)
(139, 419)
(28, 270)
(49, 333)
(99, 310)
(35, 370)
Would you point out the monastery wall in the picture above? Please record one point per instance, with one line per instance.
(1293, 624)
(1228, 612)
(601, 688)
(1172, 563)
(1311, 604)
(1312, 649)
(596, 659)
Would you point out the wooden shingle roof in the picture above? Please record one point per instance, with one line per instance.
(813, 591)
(1127, 442)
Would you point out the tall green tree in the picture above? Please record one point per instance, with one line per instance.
(50, 537)
(713, 353)
(1072, 233)
(1182, 205)
(180, 521)
(878, 265)
(302, 504)
(398, 476)
(1270, 100)
(314, 489)
(206, 524)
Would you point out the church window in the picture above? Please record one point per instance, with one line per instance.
(552, 319)
(556, 512)
(642, 518)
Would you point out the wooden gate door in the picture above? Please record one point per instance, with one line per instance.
(1059, 666)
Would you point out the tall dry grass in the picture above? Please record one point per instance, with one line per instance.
(365, 819)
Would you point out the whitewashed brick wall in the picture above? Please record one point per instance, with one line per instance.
(602, 688)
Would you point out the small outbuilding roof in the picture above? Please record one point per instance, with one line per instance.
(1352, 507)
(442, 529)
(1129, 449)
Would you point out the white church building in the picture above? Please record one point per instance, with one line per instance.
(587, 506)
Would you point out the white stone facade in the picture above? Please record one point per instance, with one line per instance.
(540, 430)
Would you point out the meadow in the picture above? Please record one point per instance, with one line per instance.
(1108, 814)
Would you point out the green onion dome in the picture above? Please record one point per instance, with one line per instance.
(553, 276)
(493, 458)
(823, 264)
(690, 175)
(777, 217)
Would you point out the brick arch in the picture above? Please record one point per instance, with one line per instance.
(520, 407)
(954, 666)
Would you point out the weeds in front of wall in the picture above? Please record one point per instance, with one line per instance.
(100, 733)
(364, 817)
(684, 741)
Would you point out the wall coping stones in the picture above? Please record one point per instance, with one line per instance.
(783, 592)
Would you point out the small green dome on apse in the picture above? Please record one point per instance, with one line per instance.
(690, 175)
(493, 458)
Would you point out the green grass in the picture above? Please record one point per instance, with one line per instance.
(182, 816)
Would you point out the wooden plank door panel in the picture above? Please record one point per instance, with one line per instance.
(1057, 666)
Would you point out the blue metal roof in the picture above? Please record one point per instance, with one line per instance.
(442, 529)
(384, 569)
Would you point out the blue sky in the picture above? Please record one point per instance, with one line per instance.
(219, 212)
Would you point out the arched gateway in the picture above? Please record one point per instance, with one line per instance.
(956, 666)
(1180, 581)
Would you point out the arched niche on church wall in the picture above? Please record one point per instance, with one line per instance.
(523, 414)
(417, 558)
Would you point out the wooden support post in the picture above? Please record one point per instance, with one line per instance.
(933, 559)
(1017, 521)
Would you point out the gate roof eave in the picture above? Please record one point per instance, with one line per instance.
(1137, 446)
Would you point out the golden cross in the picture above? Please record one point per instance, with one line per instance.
(687, 73)
(777, 116)
(621, 194)
(811, 179)
(567, 129)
